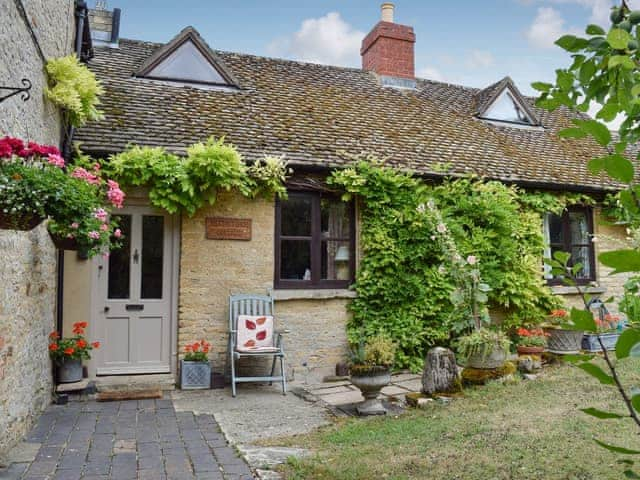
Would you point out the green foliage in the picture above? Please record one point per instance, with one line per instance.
(380, 351)
(404, 282)
(186, 184)
(482, 342)
(74, 88)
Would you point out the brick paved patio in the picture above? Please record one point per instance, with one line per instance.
(144, 439)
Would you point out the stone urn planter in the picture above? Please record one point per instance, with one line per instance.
(481, 360)
(69, 370)
(590, 341)
(561, 341)
(370, 380)
(195, 375)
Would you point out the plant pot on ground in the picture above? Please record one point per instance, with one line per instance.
(484, 348)
(610, 328)
(195, 370)
(68, 353)
(531, 341)
(560, 340)
(371, 372)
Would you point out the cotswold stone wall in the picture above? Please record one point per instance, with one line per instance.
(28, 259)
(52, 22)
(211, 270)
(27, 316)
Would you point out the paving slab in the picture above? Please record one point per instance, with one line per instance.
(394, 390)
(352, 396)
(411, 385)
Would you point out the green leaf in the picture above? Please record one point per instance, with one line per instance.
(621, 60)
(608, 112)
(618, 38)
(582, 320)
(541, 86)
(575, 358)
(596, 165)
(613, 448)
(571, 43)
(621, 260)
(562, 257)
(587, 70)
(595, 30)
(626, 341)
(619, 168)
(564, 80)
(594, 412)
(635, 401)
(597, 372)
(631, 474)
(573, 132)
(597, 130)
(635, 90)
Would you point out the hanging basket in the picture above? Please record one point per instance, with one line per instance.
(64, 243)
(20, 222)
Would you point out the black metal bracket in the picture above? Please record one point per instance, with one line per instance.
(23, 91)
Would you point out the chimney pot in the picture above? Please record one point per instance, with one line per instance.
(387, 12)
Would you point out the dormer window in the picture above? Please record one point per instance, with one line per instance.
(503, 103)
(507, 109)
(187, 60)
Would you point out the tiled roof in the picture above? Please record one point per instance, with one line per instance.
(317, 116)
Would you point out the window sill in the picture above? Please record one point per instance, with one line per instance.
(309, 294)
(566, 290)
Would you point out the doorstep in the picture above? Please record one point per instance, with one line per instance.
(123, 383)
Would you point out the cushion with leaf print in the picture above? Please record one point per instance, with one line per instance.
(255, 333)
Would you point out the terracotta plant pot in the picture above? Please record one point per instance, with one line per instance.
(526, 350)
(370, 383)
(19, 222)
(563, 342)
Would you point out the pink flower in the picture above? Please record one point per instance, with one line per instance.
(96, 166)
(89, 177)
(114, 194)
(75, 225)
(55, 160)
(441, 228)
(105, 256)
(104, 227)
(101, 214)
(94, 235)
(472, 260)
(117, 233)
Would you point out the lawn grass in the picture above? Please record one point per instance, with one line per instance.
(526, 430)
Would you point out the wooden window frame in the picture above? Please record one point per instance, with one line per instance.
(566, 245)
(316, 245)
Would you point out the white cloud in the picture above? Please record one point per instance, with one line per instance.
(327, 40)
(431, 73)
(546, 28)
(480, 59)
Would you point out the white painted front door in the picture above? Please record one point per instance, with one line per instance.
(135, 296)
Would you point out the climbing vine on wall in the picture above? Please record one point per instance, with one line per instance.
(402, 284)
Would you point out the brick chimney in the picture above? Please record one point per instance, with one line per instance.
(104, 24)
(388, 48)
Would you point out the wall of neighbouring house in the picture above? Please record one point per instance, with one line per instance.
(28, 259)
(210, 270)
(608, 237)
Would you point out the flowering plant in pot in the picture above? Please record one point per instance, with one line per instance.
(370, 370)
(610, 327)
(531, 341)
(35, 183)
(68, 353)
(195, 370)
(561, 340)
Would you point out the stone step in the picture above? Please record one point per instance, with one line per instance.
(135, 383)
(73, 386)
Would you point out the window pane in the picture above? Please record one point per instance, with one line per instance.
(152, 256)
(335, 260)
(556, 234)
(581, 255)
(295, 260)
(579, 227)
(296, 216)
(119, 261)
(335, 218)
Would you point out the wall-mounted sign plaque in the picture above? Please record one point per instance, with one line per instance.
(221, 228)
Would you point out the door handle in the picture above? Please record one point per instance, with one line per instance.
(134, 306)
(106, 309)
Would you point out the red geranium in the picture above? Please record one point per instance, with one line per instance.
(76, 347)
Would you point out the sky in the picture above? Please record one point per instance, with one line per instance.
(468, 42)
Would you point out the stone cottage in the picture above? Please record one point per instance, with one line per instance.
(170, 283)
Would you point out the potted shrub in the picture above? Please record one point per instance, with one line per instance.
(195, 371)
(561, 340)
(531, 341)
(609, 330)
(68, 353)
(484, 348)
(371, 371)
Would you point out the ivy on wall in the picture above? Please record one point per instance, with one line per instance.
(402, 285)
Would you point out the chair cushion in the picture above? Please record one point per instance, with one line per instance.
(255, 333)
